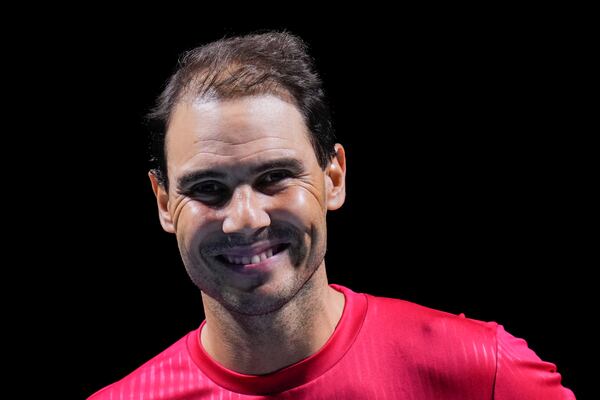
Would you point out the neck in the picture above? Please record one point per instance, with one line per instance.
(258, 345)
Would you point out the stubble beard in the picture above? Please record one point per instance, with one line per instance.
(257, 304)
(304, 260)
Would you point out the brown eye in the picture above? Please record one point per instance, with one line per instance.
(210, 192)
(208, 188)
(275, 176)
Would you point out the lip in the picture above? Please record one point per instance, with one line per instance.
(260, 267)
(249, 251)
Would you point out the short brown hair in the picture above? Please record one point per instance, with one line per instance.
(268, 63)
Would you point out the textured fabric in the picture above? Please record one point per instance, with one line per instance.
(381, 349)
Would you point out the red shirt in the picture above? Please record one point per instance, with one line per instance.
(381, 349)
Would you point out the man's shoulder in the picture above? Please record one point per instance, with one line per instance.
(174, 357)
(452, 353)
(397, 314)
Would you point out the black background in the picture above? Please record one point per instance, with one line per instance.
(467, 186)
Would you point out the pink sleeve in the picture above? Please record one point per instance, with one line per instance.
(521, 374)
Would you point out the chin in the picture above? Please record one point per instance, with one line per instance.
(259, 302)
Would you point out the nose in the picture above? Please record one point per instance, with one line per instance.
(245, 212)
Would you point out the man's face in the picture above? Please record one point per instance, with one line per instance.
(247, 199)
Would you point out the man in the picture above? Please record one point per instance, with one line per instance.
(246, 170)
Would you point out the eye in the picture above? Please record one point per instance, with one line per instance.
(208, 187)
(272, 177)
(209, 192)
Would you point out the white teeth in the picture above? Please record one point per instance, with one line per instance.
(255, 259)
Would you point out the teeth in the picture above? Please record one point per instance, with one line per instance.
(255, 259)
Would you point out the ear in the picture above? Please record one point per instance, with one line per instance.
(336, 179)
(162, 201)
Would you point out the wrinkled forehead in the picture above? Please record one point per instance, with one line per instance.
(238, 128)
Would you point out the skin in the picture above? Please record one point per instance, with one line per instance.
(264, 316)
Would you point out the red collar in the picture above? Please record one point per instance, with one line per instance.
(355, 310)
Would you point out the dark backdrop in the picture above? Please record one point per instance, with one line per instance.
(464, 184)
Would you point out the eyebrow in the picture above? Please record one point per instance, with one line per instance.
(280, 163)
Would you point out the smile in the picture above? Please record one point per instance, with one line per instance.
(251, 255)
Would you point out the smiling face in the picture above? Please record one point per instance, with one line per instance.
(247, 199)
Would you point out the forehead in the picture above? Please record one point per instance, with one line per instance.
(217, 131)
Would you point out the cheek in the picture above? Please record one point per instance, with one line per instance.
(304, 202)
(188, 216)
(193, 219)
